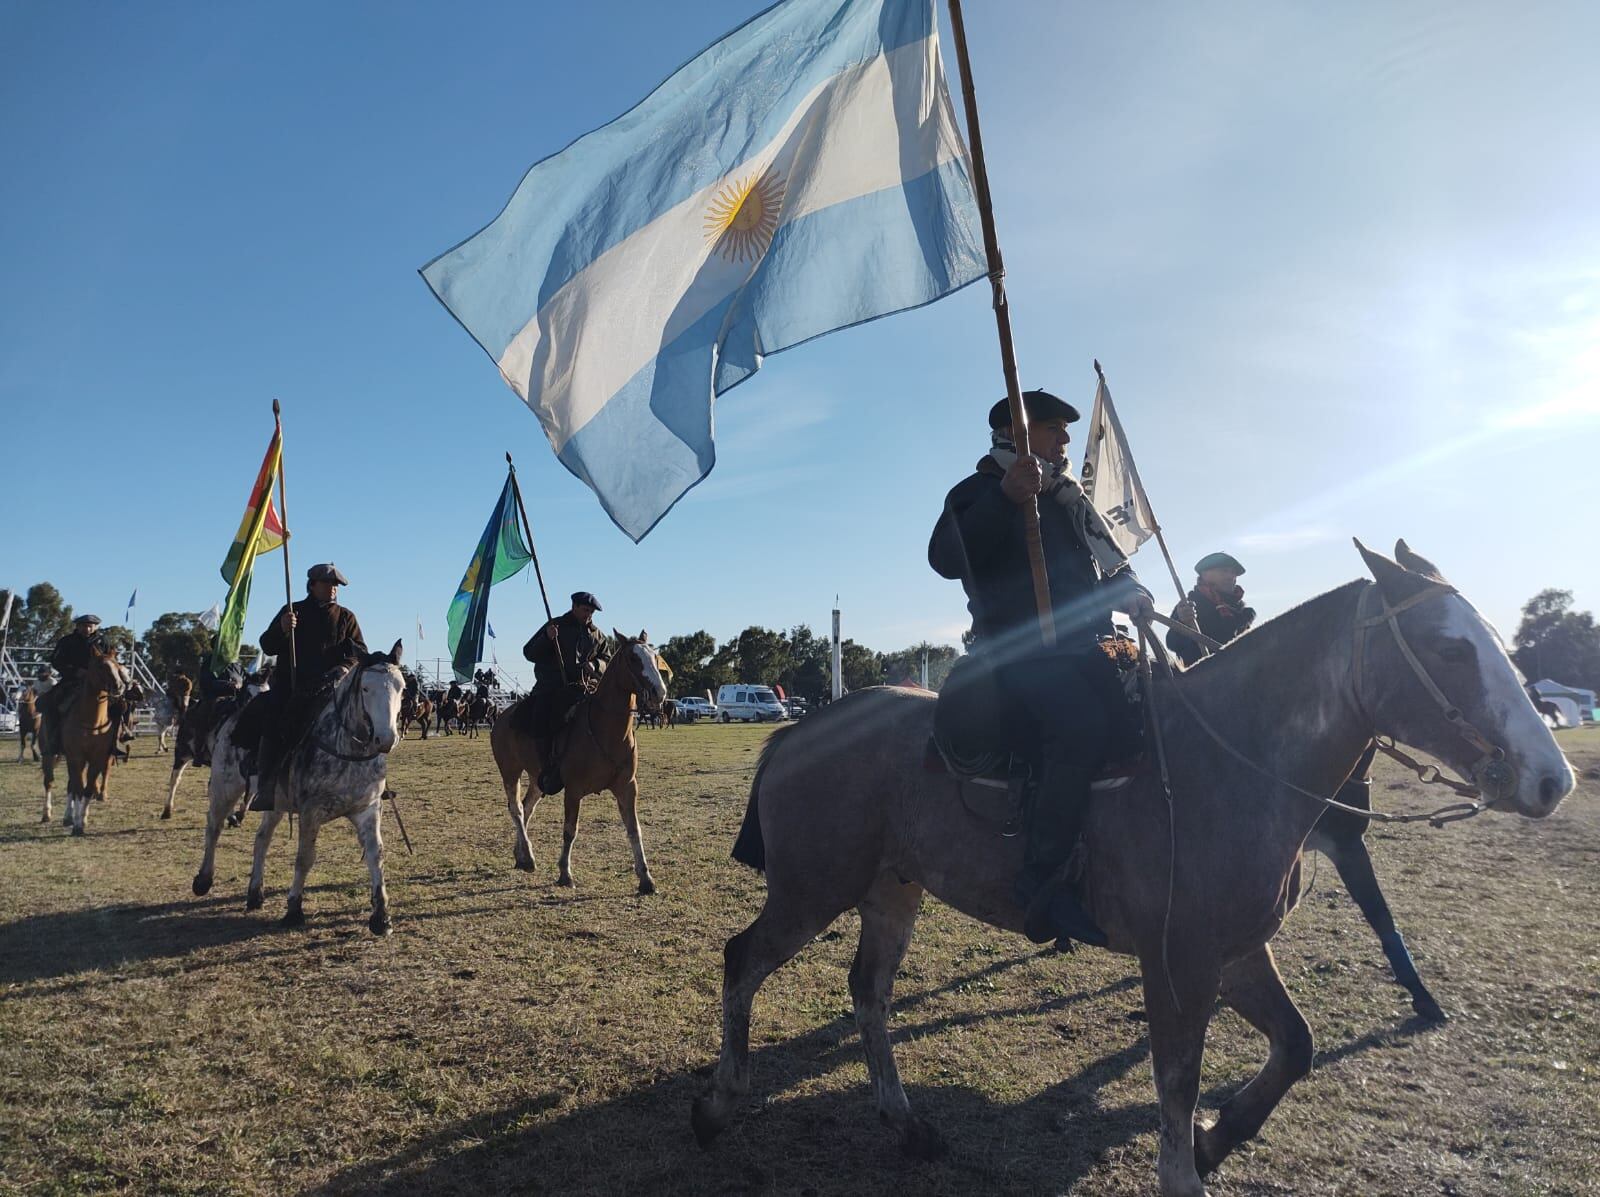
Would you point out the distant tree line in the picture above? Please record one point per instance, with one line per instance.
(1554, 641)
(798, 660)
(175, 640)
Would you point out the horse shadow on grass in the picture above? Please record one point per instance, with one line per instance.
(791, 1138)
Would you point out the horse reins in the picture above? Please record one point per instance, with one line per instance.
(1491, 767)
(339, 708)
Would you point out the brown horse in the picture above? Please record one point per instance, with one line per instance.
(28, 725)
(599, 753)
(416, 710)
(1194, 884)
(88, 739)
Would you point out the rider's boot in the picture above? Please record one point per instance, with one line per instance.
(1054, 911)
(549, 778)
(267, 770)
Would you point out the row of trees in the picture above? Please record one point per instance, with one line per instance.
(798, 660)
(174, 641)
(1554, 641)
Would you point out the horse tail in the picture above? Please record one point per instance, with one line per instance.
(750, 848)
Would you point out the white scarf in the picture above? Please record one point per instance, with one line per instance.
(1061, 487)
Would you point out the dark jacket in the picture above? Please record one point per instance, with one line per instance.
(1221, 621)
(979, 540)
(581, 643)
(326, 637)
(71, 657)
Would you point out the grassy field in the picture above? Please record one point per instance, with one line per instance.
(516, 1037)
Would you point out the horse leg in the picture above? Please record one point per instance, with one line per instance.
(1178, 1025)
(305, 856)
(888, 914)
(1253, 987)
(628, 808)
(216, 806)
(49, 766)
(172, 789)
(569, 831)
(1346, 846)
(748, 959)
(521, 847)
(369, 830)
(257, 893)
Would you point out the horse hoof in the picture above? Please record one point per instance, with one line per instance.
(565, 881)
(380, 924)
(234, 819)
(166, 814)
(647, 887)
(253, 901)
(46, 817)
(202, 884)
(525, 865)
(76, 830)
(295, 916)
(707, 1125)
(1429, 1009)
(920, 1141)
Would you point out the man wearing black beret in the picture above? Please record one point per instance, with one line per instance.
(567, 655)
(1062, 708)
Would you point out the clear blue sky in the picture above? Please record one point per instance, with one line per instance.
(1341, 262)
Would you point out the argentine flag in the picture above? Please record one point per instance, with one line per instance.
(802, 175)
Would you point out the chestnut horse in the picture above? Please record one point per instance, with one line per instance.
(28, 726)
(88, 738)
(1194, 883)
(599, 753)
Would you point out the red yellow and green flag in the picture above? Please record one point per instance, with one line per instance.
(260, 531)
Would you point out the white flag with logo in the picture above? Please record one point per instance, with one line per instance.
(209, 619)
(1110, 479)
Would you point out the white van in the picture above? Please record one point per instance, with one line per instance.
(748, 704)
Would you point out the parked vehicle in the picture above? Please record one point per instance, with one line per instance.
(797, 707)
(749, 703)
(695, 707)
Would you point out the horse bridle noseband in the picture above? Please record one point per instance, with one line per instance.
(1492, 774)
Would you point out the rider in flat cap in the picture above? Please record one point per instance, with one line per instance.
(1062, 709)
(70, 659)
(1215, 606)
(568, 653)
(327, 638)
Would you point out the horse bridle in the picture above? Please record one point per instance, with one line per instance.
(1492, 774)
(340, 705)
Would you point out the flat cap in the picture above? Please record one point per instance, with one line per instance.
(327, 572)
(1040, 405)
(1218, 561)
(585, 598)
(86, 619)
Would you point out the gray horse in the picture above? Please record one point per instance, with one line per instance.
(338, 771)
(842, 814)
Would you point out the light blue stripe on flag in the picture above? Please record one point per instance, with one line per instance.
(802, 175)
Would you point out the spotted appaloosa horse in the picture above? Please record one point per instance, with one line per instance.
(842, 814)
(337, 771)
(600, 753)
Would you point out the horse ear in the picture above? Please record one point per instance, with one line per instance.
(620, 637)
(396, 651)
(1416, 563)
(1394, 581)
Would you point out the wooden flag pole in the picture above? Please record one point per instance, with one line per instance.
(283, 515)
(1134, 470)
(1002, 317)
(528, 529)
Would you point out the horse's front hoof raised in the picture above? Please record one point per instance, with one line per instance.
(202, 884)
(295, 916)
(254, 898)
(234, 819)
(380, 924)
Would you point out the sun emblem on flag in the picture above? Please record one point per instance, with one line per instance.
(744, 215)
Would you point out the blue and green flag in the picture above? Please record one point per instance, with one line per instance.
(501, 553)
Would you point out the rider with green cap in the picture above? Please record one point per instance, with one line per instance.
(1215, 606)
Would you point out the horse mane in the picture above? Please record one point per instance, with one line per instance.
(1267, 636)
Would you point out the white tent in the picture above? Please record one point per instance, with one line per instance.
(1575, 702)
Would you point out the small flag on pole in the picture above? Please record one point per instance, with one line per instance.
(11, 598)
(419, 628)
(1110, 479)
(490, 627)
(211, 617)
(802, 175)
(501, 553)
(259, 532)
(132, 600)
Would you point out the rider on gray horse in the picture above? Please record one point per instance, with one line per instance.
(1062, 710)
(327, 638)
(568, 653)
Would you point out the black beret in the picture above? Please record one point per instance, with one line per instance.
(327, 572)
(87, 619)
(1040, 405)
(583, 598)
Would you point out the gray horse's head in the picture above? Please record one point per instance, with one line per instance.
(382, 687)
(1438, 678)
